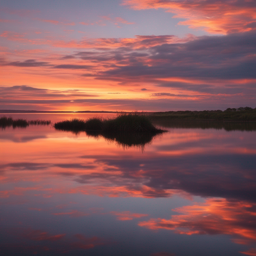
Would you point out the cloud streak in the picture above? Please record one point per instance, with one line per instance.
(215, 16)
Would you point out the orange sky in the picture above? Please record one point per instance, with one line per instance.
(196, 55)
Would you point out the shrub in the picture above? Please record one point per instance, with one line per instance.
(93, 124)
(74, 125)
(130, 123)
(20, 123)
(7, 122)
(123, 123)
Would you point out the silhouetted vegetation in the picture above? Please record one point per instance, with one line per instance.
(128, 130)
(129, 123)
(75, 125)
(205, 124)
(129, 139)
(39, 122)
(243, 119)
(9, 122)
(123, 123)
(230, 114)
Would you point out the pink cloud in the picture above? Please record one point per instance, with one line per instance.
(128, 215)
(117, 20)
(84, 23)
(56, 22)
(251, 252)
(215, 16)
(134, 43)
(87, 243)
(38, 235)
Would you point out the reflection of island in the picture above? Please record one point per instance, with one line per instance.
(126, 130)
(128, 139)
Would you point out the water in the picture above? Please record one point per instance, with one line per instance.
(187, 192)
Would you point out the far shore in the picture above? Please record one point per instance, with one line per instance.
(243, 119)
(242, 114)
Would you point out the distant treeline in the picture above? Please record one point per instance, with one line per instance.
(230, 114)
(204, 124)
(8, 122)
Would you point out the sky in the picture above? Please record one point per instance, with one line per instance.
(127, 55)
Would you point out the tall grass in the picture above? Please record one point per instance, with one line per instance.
(8, 122)
(130, 123)
(39, 122)
(127, 130)
(74, 125)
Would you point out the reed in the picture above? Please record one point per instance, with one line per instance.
(130, 123)
(8, 122)
(39, 122)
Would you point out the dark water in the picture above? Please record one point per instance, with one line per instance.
(187, 192)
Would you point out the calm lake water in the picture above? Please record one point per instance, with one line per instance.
(189, 192)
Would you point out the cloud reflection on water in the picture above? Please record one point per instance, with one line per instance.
(47, 175)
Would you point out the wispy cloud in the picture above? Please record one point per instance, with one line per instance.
(124, 216)
(117, 20)
(56, 22)
(28, 63)
(216, 17)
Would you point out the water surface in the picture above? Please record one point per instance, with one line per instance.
(188, 192)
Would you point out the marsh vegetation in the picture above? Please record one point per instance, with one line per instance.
(123, 123)
(9, 122)
(242, 119)
(230, 114)
(127, 130)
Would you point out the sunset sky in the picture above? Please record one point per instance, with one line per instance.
(126, 55)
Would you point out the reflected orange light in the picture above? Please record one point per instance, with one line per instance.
(216, 216)
(251, 252)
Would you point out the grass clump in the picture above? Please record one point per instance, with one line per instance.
(39, 122)
(73, 125)
(94, 124)
(5, 122)
(8, 122)
(127, 130)
(130, 123)
(124, 123)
